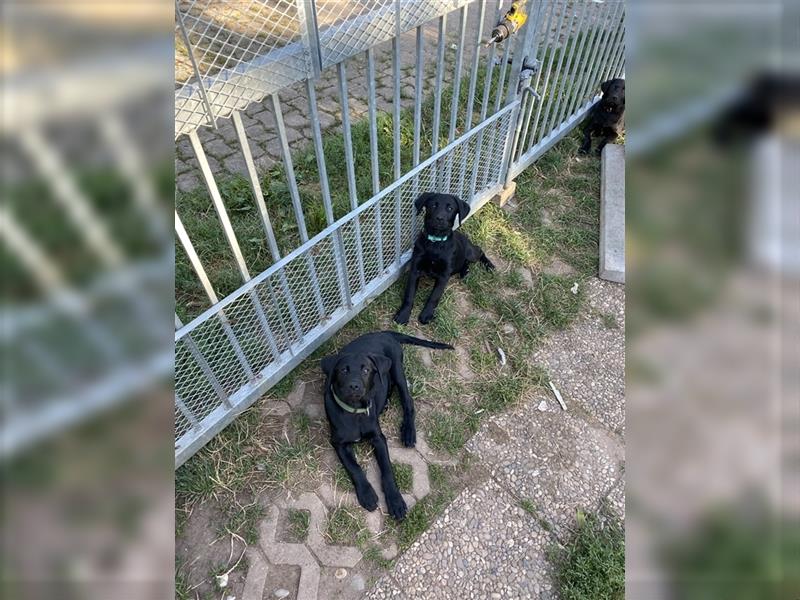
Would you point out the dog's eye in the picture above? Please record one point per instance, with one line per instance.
(449, 208)
(365, 369)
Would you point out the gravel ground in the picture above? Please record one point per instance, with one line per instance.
(485, 545)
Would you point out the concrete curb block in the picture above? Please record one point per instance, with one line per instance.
(612, 214)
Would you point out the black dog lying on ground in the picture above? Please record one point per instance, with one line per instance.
(606, 118)
(358, 384)
(438, 252)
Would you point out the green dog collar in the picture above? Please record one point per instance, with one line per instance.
(348, 408)
(436, 238)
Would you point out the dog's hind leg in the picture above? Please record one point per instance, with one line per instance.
(486, 262)
(364, 492)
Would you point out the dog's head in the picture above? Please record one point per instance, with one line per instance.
(352, 376)
(614, 94)
(441, 211)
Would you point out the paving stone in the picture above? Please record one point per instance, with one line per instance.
(256, 575)
(556, 459)
(483, 543)
(181, 166)
(218, 148)
(329, 555)
(612, 213)
(186, 182)
(236, 164)
(587, 362)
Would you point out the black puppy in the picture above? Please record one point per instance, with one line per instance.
(606, 118)
(438, 252)
(358, 383)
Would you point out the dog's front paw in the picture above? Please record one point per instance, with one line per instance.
(367, 497)
(408, 434)
(401, 316)
(396, 505)
(426, 316)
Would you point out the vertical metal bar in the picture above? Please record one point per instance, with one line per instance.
(618, 43)
(544, 94)
(47, 275)
(227, 229)
(288, 166)
(437, 90)
(619, 59)
(350, 166)
(307, 16)
(533, 102)
(473, 79)
(338, 244)
(576, 60)
(373, 153)
(593, 28)
(373, 123)
(560, 80)
(530, 49)
(457, 75)
(70, 198)
(487, 86)
(589, 83)
(265, 220)
(199, 76)
(605, 46)
(194, 259)
(501, 82)
(203, 364)
(398, 226)
(295, 196)
(417, 122)
(219, 206)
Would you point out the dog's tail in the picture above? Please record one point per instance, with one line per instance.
(415, 341)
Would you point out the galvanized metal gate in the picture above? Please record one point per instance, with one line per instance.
(231, 353)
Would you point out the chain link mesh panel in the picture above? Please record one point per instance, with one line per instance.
(237, 53)
(228, 348)
(347, 28)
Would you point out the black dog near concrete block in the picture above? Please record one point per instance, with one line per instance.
(438, 252)
(359, 381)
(606, 119)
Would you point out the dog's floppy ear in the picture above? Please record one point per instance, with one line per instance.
(605, 85)
(328, 364)
(463, 209)
(383, 364)
(422, 199)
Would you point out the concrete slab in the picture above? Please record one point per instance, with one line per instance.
(612, 214)
(484, 545)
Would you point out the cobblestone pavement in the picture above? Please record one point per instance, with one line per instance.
(222, 146)
(485, 545)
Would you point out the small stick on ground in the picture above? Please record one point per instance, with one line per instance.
(558, 396)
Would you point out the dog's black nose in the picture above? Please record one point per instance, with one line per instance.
(354, 387)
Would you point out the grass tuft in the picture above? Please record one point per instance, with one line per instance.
(346, 526)
(591, 566)
(298, 524)
(403, 476)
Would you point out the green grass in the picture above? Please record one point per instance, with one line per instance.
(736, 553)
(244, 521)
(298, 525)
(419, 518)
(591, 565)
(346, 526)
(530, 507)
(403, 476)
